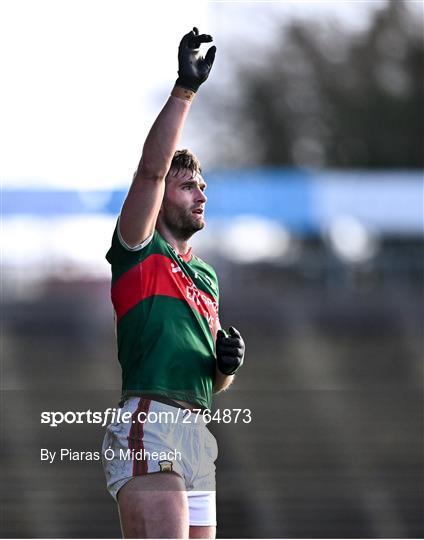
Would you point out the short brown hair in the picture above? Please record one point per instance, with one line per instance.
(184, 159)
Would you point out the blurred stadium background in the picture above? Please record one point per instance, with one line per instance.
(313, 153)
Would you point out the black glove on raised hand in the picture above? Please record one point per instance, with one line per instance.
(229, 351)
(193, 69)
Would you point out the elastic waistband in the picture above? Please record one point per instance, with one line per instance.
(155, 411)
(160, 399)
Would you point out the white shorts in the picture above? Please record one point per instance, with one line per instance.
(155, 437)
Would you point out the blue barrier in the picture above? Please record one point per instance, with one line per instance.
(303, 201)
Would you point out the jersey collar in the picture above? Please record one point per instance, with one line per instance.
(187, 257)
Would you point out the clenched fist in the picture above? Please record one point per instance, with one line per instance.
(229, 351)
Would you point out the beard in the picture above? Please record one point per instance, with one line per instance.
(182, 223)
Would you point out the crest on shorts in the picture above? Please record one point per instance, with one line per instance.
(165, 465)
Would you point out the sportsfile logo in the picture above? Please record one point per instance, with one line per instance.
(111, 415)
(114, 415)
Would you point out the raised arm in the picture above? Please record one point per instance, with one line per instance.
(142, 204)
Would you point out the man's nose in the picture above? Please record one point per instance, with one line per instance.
(201, 197)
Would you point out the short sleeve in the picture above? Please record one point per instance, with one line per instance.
(120, 253)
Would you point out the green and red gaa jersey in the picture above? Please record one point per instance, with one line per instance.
(166, 308)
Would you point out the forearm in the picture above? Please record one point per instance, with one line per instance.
(222, 382)
(164, 135)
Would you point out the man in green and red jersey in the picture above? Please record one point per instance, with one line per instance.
(172, 352)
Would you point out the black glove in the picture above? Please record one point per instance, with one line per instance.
(229, 351)
(193, 69)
